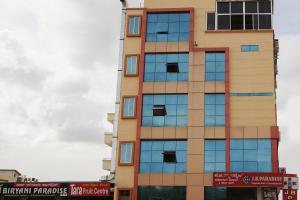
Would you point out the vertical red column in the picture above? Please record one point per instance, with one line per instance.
(275, 139)
(227, 109)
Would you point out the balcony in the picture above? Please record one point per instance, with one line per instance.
(106, 164)
(110, 117)
(108, 138)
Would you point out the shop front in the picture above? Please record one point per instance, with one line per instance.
(56, 191)
(252, 186)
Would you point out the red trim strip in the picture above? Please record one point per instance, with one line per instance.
(275, 141)
(275, 163)
(227, 109)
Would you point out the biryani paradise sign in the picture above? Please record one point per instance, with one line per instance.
(56, 189)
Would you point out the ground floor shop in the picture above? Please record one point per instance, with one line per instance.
(56, 191)
(207, 193)
(53, 198)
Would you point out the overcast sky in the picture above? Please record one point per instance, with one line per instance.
(58, 61)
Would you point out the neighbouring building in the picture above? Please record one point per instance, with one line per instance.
(9, 175)
(195, 114)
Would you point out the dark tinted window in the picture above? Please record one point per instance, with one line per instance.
(158, 192)
(265, 22)
(251, 7)
(265, 7)
(215, 193)
(223, 22)
(241, 193)
(223, 7)
(236, 7)
(159, 110)
(211, 21)
(251, 22)
(172, 68)
(237, 22)
(170, 156)
(124, 194)
(223, 193)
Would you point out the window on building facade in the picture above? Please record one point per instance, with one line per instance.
(215, 193)
(249, 48)
(134, 25)
(166, 67)
(215, 66)
(164, 27)
(163, 157)
(159, 110)
(172, 110)
(210, 21)
(214, 110)
(229, 193)
(214, 156)
(124, 194)
(131, 68)
(242, 15)
(162, 192)
(126, 153)
(170, 157)
(250, 155)
(129, 107)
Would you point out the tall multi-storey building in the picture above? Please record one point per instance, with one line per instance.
(196, 96)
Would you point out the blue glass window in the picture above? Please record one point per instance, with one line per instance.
(249, 48)
(175, 110)
(156, 67)
(215, 66)
(163, 27)
(214, 110)
(250, 155)
(131, 65)
(214, 156)
(129, 107)
(134, 25)
(153, 158)
(126, 153)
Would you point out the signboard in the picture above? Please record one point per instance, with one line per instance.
(247, 179)
(289, 194)
(290, 187)
(84, 189)
(89, 189)
(270, 194)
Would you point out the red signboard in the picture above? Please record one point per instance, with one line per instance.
(248, 179)
(289, 194)
(89, 189)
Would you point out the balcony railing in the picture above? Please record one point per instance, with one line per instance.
(108, 138)
(106, 162)
(110, 117)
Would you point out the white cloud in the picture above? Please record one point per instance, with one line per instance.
(288, 101)
(57, 82)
